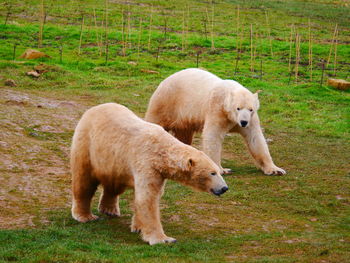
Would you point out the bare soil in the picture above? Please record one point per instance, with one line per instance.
(35, 134)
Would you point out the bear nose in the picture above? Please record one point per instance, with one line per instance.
(219, 192)
(244, 123)
(224, 189)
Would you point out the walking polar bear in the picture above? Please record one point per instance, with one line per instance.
(113, 147)
(195, 100)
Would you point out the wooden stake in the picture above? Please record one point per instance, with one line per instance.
(61, 52)
(129, 28)
(41, 28)
(330, 49)
(187, 26)
(212, 28)
(183, 32)
(123, 34)
(297, 56)
(290, 49)
(269, 32)
(251, 48)
(321, 82)
(310, 50)
(197, 58)
(14, 51)
(106, 27)
(150, 28)
(96, 30)
(101, 38)
(205, 28)
(81, 33)
(237, 60)
(335, 53)
(139, 39)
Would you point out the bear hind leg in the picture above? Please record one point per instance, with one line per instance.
(84, 188)
(109, 201)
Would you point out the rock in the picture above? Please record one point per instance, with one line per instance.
(268, 140)
(41, 68)
(33, 74)
(10, 83)
(33, 54)
(339, 84)
(149, 71)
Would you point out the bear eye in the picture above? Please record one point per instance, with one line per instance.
(213, 173)
(251, 110)
(238, 108)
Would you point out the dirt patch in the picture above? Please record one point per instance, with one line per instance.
(35, 135)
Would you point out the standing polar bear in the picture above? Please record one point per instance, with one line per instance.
(113, 147)
(195, 100)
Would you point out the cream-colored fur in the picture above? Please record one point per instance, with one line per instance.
(194, 100)
(113, 147)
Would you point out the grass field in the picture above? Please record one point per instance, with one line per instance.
(303, 216)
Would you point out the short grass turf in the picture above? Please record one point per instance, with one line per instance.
(303, 216)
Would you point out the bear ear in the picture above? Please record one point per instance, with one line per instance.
(256, 98)
(187, 164)
(228, 102)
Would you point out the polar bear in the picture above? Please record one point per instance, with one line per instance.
(194, 100)
(113, 147)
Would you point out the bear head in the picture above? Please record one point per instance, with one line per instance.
(198, 171)
(240, 105)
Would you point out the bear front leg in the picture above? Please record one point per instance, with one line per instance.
(147, 217)
(258, 148)
(213, 136)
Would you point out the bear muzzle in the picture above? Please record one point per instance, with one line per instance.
(220, 191)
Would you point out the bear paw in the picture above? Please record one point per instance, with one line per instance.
(166, 239)
(274, 170)
(84, 218)
(110, 211)
(135, 228)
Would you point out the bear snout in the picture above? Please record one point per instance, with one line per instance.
(219, 192)
(244, 123)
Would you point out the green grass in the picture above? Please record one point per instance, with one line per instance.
(300, 217)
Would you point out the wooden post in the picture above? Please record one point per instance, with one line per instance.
(41, 28)
(212, 28)
(81, 33)
(96, 31)
(14, 51)
(197, 58)
(269, 32)
(106, 27)
(150, 28)
(61, 52)
(330, 49)
(183, 32)
(297, 60)
(251, 48)
(310, 50)
(129, 28)
(290, 49)
(335, 53)
(123, 35)
(139, 39)
(321, 82)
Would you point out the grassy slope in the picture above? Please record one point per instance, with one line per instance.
(303, 216)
